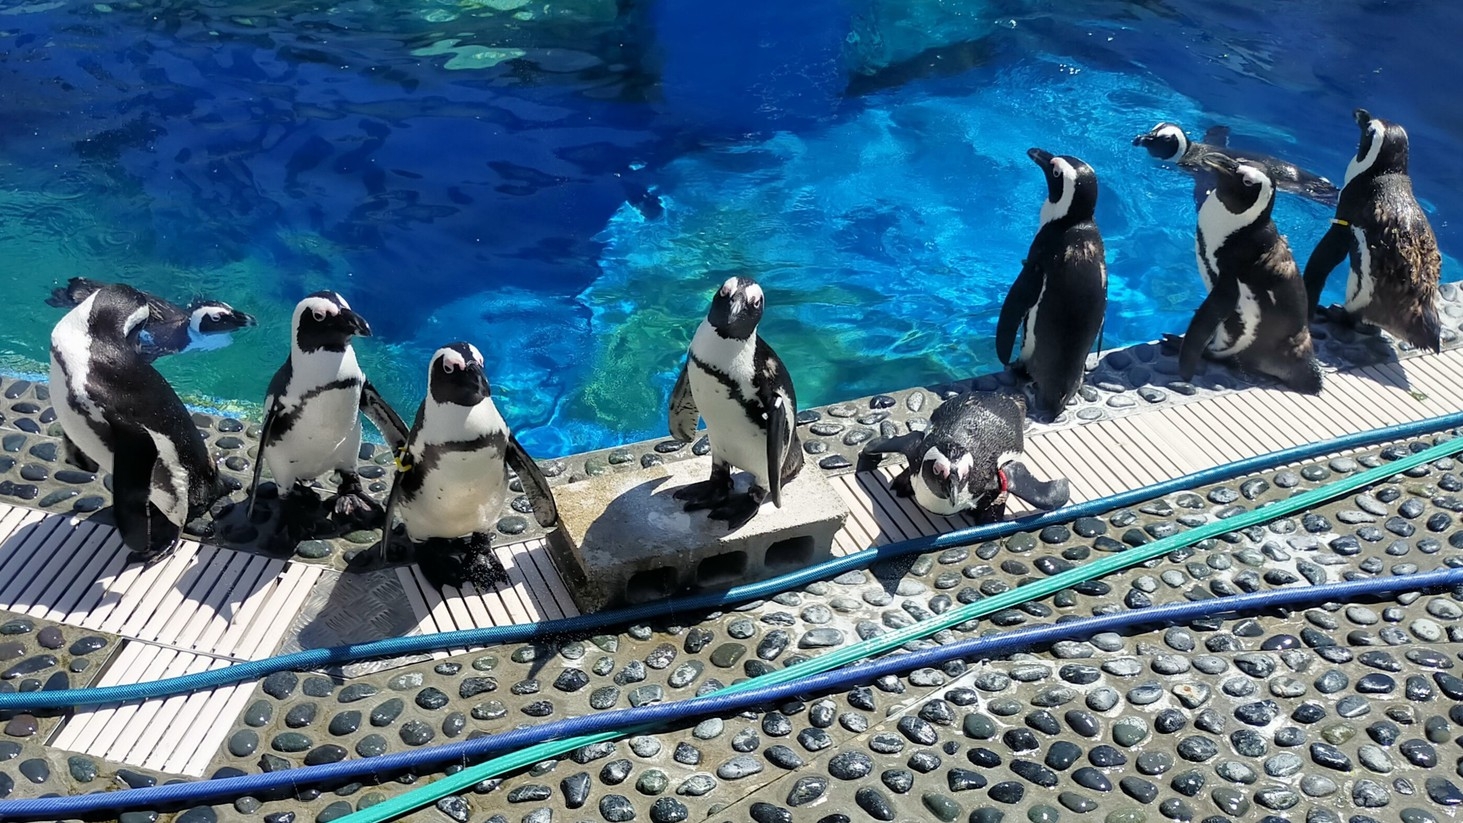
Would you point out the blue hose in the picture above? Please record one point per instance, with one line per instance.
(710, 601)
(993, 646)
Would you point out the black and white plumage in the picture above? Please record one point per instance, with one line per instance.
(1255, 312)
(312, 420)
(737, 383)
(1168, 142)
(202, 325)
(1395, 263)
(1059, 299)
(452, 478)
(119, 415)
(966, 459)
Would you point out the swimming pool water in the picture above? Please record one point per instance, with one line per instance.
(564, 184)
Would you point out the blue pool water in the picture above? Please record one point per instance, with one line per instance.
(564, 184)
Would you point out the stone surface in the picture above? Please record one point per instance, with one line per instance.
(624, 539)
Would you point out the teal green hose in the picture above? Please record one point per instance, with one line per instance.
(469, 777)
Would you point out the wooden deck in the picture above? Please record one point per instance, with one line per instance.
(207, 606)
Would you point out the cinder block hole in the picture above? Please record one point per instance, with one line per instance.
(721, 569)
(790, 553)
(651, 584)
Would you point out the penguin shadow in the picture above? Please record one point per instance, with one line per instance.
(65, 565)
(1363, 348)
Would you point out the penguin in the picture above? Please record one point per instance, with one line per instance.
(966, 459)
(312, 420)
(1167, 141)
(452, 478)
(202, 325)
(1255, 312)
(734, 380)
(119, 415)
(1395, 264)
(1060, 296)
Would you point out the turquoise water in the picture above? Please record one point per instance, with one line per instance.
(565, 184)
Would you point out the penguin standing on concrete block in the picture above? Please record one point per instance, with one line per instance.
(1060, 296)
(1395, 264)
(734, 380)
(202, 325)
(312, 421)
(1255, 313)
(452, 478)
(119, 415)
(966, 459)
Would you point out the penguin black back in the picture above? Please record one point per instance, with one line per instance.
(1395, 265)
(1060, 296)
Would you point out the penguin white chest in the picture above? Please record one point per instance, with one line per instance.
(324, 400)
(1360, 284)
(1028, 333)
(461, 494)
(1246, 318)
(463, 487)
(724, 393)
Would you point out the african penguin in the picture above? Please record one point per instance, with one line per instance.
(734, 380)
(203, 325)
(312, 419)
(1395, 264)
(1059, 298)
(1255, 312)
(452, 478)
(965, 460)
(1168, 142)
(119, 415)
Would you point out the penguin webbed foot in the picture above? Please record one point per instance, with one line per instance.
(353, 507)
(704, 494)
(453, 562)
(161, 539)
(903, 483)
(738, 511)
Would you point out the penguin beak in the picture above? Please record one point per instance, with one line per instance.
(240, 320)
(355, 323)
(1040, 157)
(1363, 117)
(1143, 139)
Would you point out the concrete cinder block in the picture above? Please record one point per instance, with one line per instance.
(624, 539)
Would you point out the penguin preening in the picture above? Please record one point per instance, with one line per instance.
(312, 419)
(734, 380)
(1168, 142)
(1255, 312)
(202, 325)
(452, 477)
(966, 459)
(1060, 297)
(119, 415)
(1395, 263)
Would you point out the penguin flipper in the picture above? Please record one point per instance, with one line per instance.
(383, 417)
(1019, 300)
(1216, 136)
(779, 434)
(535, 485)
(1335, 245)
(683, 412)
(1052, 494)
(904, 444)
(264, 432)
(136, 455)
(1218, 305)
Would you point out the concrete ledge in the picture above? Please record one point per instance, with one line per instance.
(624, 539)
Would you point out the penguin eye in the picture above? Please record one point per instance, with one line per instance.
(1056, 172)
(319, 316)
(448, 366)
